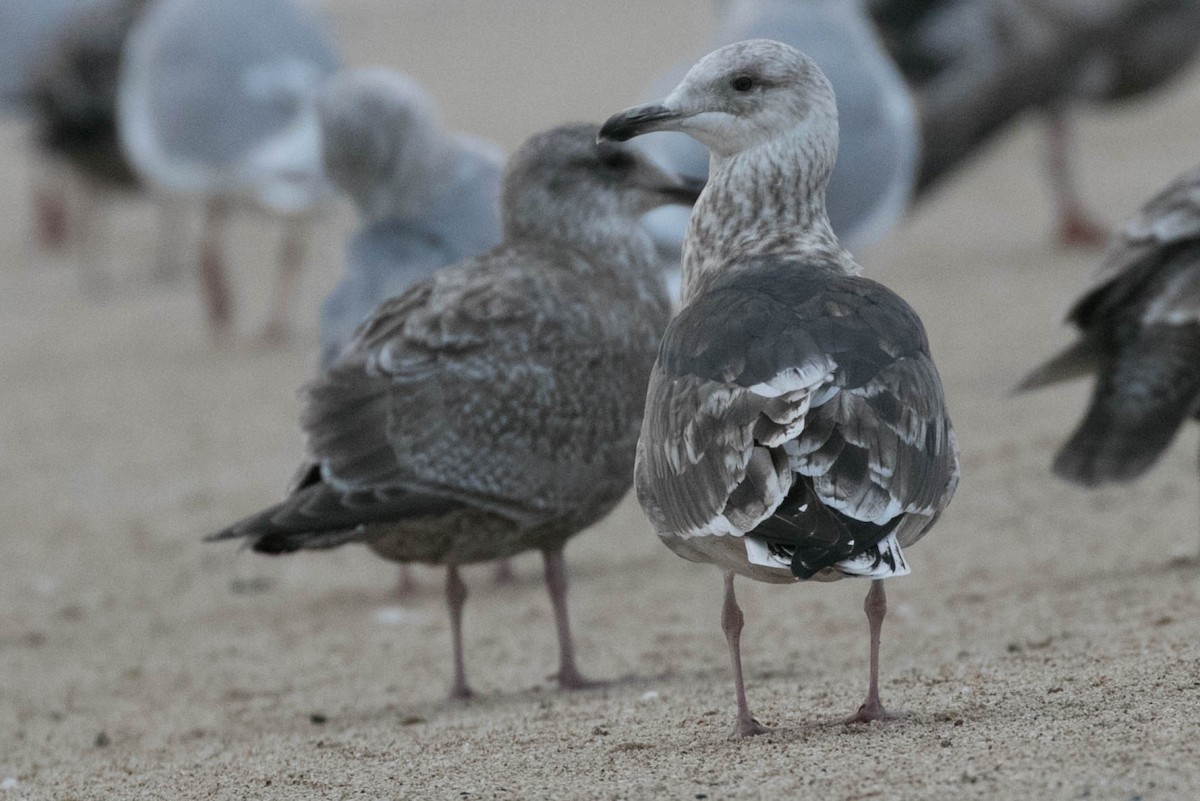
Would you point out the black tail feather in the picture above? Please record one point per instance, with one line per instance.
(1136, 408)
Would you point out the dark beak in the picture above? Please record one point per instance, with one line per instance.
(635, 121)
(686, 192)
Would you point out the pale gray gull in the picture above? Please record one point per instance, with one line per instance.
(795, 426)
(217, 100)
(426, 197)
(879, 153)
(494, 407)
(1139, 329)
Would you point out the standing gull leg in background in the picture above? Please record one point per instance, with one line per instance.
(1075, 225)
(214, 284)
(795, 426)
(493, 406)
(292, 248)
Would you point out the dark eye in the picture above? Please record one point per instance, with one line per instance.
(742, 83)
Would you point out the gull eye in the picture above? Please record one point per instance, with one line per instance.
(742, 83)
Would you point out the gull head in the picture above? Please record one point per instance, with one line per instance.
(381, 139)
(564, 176)
(739, 97)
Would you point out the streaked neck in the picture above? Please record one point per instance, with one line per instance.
(766, 201)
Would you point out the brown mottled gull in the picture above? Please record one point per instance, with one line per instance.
(494, 407)
(795, 426)
(1140, 337)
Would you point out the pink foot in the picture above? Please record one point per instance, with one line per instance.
(871, 711)
(1078, 230)
(748, 727)
(572, 679)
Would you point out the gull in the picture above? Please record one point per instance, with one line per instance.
(494, 407)
(70, 92)
(216, 100)
(1139, 327)
(795, 426)
(977, 65)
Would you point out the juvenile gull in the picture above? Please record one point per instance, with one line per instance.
(426, 197)
(876, 170)
(494, 407)
(217, 100)
(1140, 338)
(795, 426)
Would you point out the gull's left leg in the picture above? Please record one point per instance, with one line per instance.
(569, 677)
(876, 607)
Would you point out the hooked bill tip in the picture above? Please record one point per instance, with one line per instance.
(632, 122)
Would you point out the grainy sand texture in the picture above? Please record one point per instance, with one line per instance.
(1046, 645)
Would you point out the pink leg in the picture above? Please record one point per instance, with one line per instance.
(218, 298)
(876, 607)
(732, 622)
(406, 585)
(569, 677)
(456, 596)
(50, 217)
(504, 572)
(287, 281)
(1076, 226)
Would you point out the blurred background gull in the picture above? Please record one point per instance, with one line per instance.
(977, 65)
(425, 197)
(218, 101)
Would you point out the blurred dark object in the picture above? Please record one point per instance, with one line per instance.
(978, 65)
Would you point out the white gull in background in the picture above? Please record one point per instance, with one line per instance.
(1139, 329)
(879, 154)
(494, 407)
(795, 426)
(426, 197)
(217, 100)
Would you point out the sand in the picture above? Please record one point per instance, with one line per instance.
(1045, 646)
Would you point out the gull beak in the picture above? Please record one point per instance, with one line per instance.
(637, 121)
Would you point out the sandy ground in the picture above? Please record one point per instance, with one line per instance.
(1045, 646)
